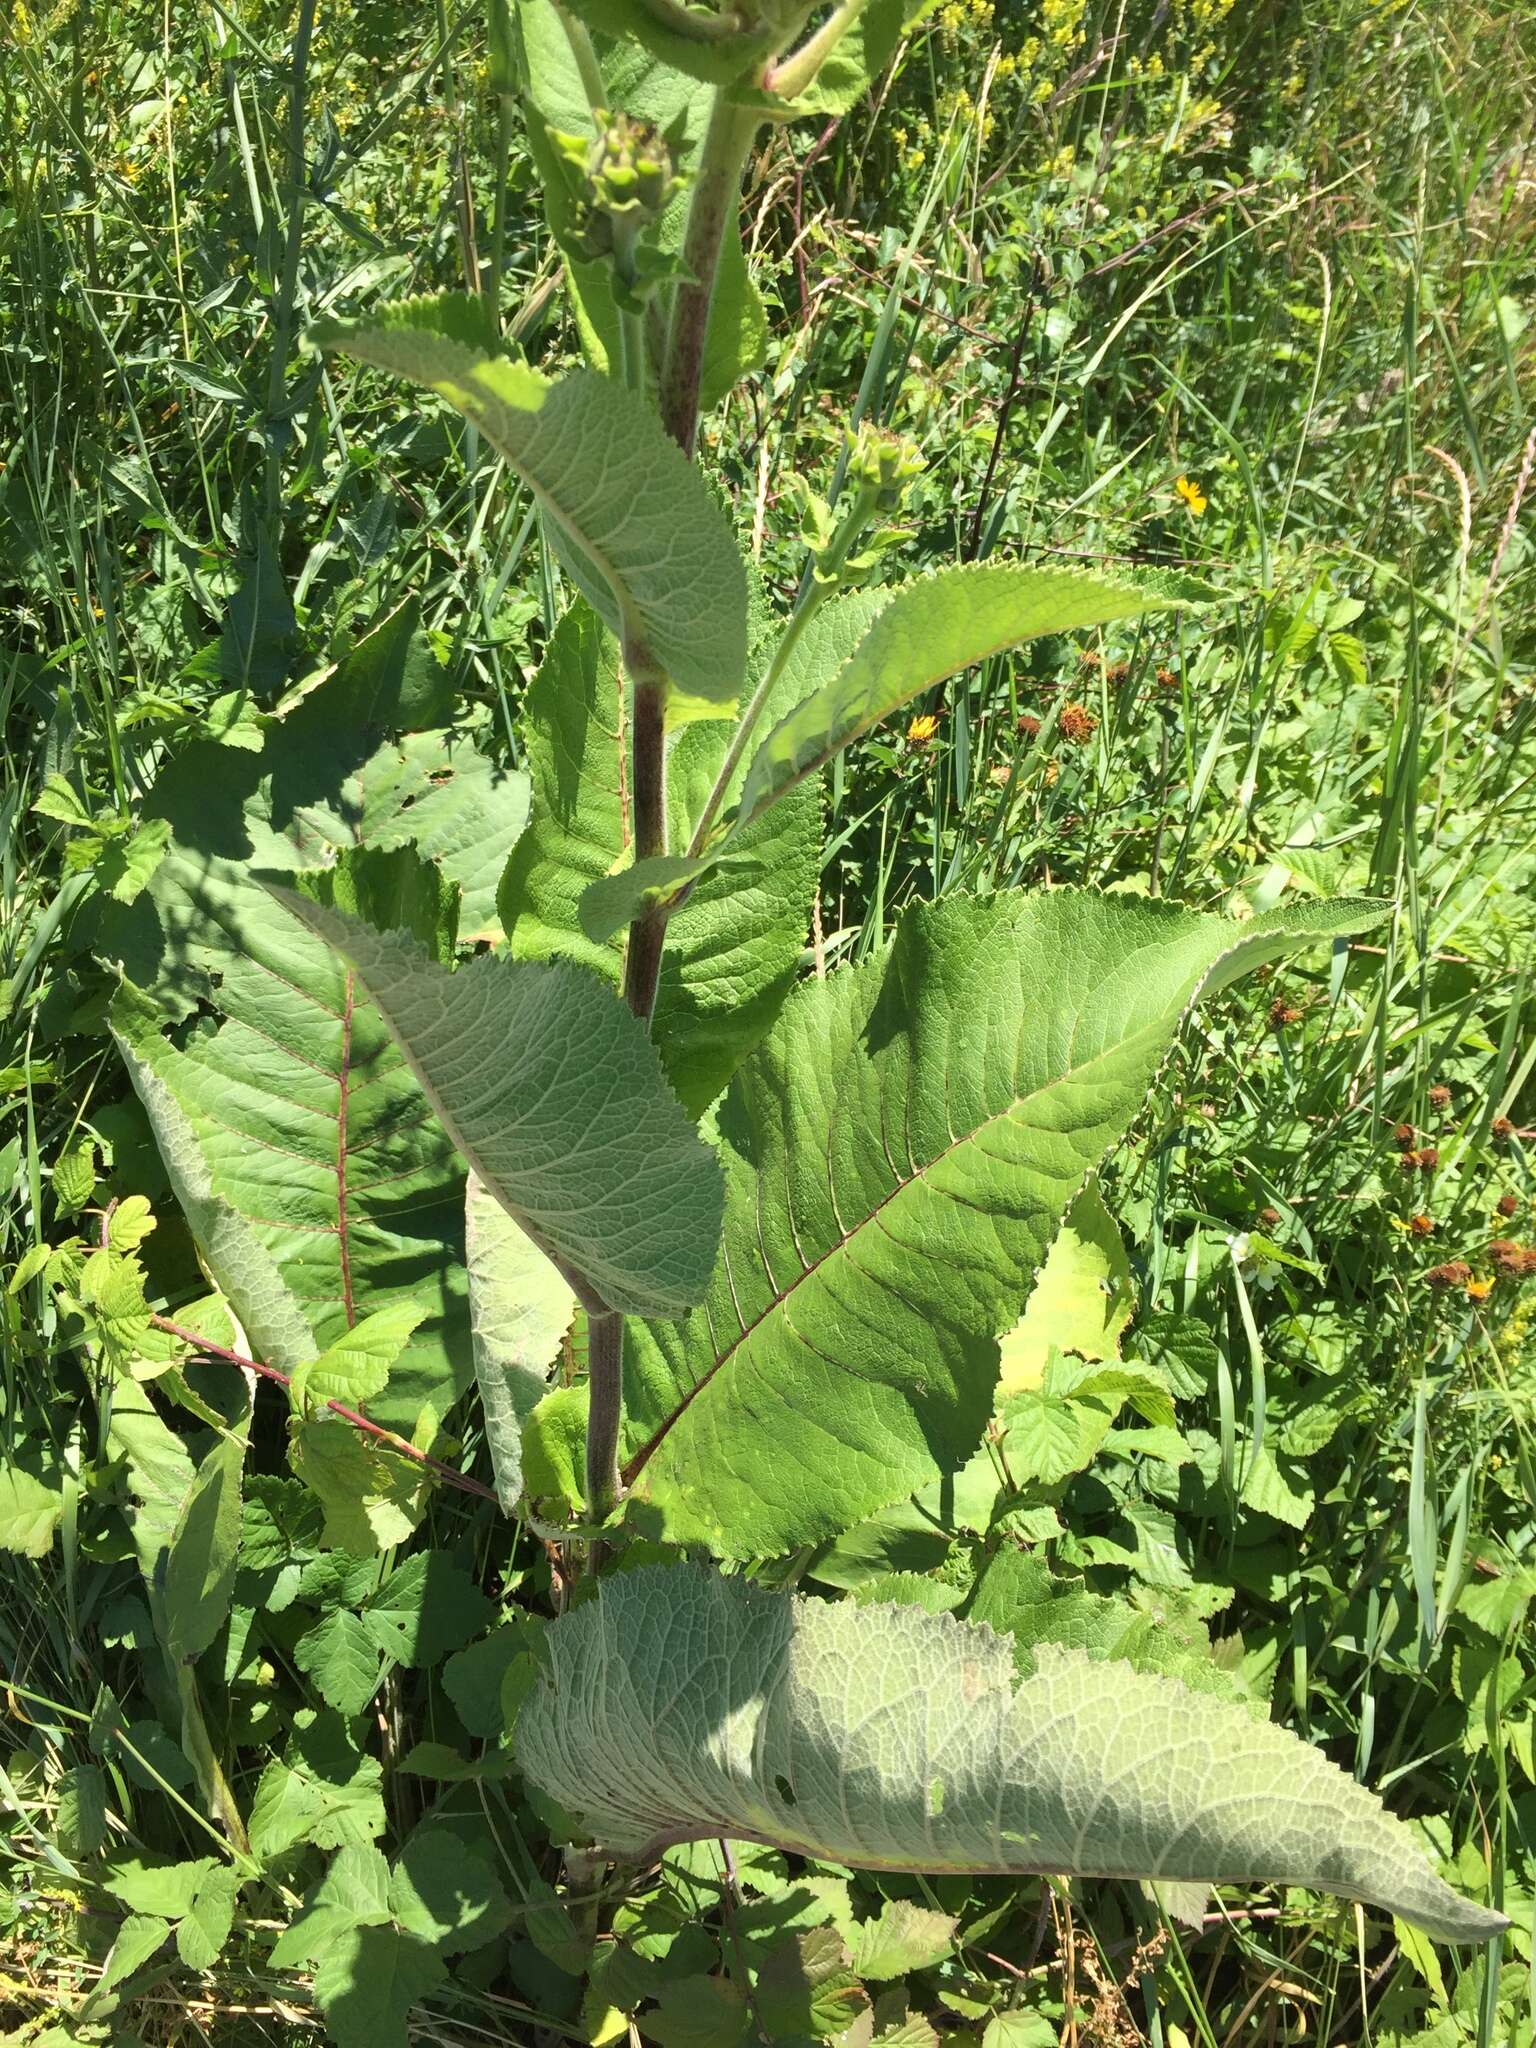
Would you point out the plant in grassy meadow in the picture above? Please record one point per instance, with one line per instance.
(824, 1247)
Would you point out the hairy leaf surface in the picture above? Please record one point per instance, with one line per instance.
(553, 1093)
(520, 1310)
(645, 539)
(899, 1154)
(679, 1705)
(930, 629)
(311, 1127)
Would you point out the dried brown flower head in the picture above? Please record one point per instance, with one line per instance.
(1454, 1273)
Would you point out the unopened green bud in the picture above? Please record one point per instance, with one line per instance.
(630, 176)
(883, 463)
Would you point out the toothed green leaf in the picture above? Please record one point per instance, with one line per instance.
(678, 1705)
(899, 1154)
(642, 534)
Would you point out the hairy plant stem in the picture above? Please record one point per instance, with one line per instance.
(642, 968)
(716, 188)
(584, 57)
(798, 70)
(717, 181)
(605, 1412)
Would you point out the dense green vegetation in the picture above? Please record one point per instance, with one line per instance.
(1174, 295)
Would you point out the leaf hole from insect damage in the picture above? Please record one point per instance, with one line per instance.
(785, 1790)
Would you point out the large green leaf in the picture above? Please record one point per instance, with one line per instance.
(311, 1127)
(678, 1705)
(646, 89)
(899, 1154)
(644, 537)
(29, 1513)
(553, 1092)
(233, 1250)
(931, 629)
(520, 1310)
(199, 1571)
(734, 949)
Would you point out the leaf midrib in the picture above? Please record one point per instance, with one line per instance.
(637, 1464)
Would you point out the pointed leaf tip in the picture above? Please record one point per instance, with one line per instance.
(678, 1705)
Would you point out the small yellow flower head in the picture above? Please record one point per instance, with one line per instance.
(1192, 495)
(922, 729)
(1480, 1289)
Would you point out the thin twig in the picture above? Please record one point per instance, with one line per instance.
(385, 1437)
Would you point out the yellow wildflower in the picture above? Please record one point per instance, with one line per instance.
(922, 729)
(1192, 495)
(1479, 1290)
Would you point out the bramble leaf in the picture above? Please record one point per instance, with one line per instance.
(678, 1705)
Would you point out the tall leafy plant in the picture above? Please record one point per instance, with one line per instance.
(791, 1226)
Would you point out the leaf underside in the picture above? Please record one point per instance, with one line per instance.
(643, 537)
(679, 1705)
(553, 1092)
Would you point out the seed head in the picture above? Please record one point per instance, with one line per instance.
(1028, 727)
(1269, 1217)
(1282, 1013)
(1402, 1136)
(1440, 1096)
(1077, 724)
(1427, 1160)
(1422, 1225)
(1501, 1130)
(1507, 1205)
(1454, 1273)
